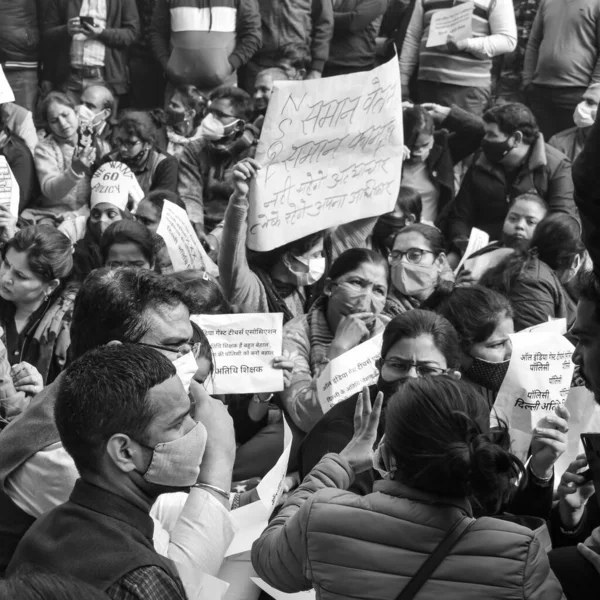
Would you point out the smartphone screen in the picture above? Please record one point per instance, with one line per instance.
(591, 445)
(88, 20)
(85, 136)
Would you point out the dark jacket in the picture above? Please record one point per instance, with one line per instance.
(19, 31)
(20, 160)
(306, 23)
(485, 193)
(356, 24)
(122, 30)
(586, 179)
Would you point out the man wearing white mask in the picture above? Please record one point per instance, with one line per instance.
(571, 141)
(97, 107)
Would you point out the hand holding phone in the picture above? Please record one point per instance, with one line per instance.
(574, 490)
(87, 21)
(591, 445)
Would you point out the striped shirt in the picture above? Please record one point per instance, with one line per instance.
(87, 52)
(494, 33)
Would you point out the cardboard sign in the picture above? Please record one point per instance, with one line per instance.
(331, 153)
(477, 240)
(348, 374)
(9, 188)
(183, 245)
(244, 346)
(455, 22)
(6, 93)
(115, 183)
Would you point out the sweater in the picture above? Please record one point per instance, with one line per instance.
(19, 33)
(494, 33)
(563, 48)
(348, 546)
(203, 42)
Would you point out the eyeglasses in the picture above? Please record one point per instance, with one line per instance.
(397, 369)
(180, 350)
(413, 255)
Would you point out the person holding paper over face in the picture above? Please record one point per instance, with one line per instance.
(440, 450)
(283, 279)
(347, 314)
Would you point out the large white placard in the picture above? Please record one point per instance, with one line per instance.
(331, 153)
(348, 374)
(9, 188)
(244, 346)
(6, 93)
(446, 22)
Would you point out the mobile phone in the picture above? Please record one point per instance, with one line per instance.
(591, 445)
(85, 136)
(87, 20)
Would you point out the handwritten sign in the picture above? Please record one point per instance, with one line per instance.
(9, 188)
(183, 245)
(477, 240)
(331, 152)
(455, 22)
(115, 183)
(348, 374)
(538, 381)
(277, 595)
(244, 346)
(6, 93)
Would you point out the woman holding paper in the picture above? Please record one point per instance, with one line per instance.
(418, 267)
(346, 315)
(438, 451)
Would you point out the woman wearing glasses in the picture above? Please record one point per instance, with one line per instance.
(134, 143)
(418, 266)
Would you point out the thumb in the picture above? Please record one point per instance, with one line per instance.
(590, 555)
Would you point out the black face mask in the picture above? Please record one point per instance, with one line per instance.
(490, 375)
(175, 117)
(496, 151)
(389, 388)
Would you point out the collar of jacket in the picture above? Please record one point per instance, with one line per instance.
(536, 158)
(392, 487)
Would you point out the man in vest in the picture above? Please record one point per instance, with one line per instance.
(125, 419)
(37, 474)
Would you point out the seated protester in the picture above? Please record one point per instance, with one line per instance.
(264, 83)
(102, 534)
(36, 302)
(206, 165)
(524, 214)
(534, 280)
(97, 109)
(127, 244)
(60, 163)
(19, 121)
(184, 115)
(282, 279)
(438, 452)
(134, 141)
(345, 315)
(418, 267)
(433, 154)
(417, 343)
(513, 159)
(149, 211)
(407, 212)
(571, 141)
(37, 474)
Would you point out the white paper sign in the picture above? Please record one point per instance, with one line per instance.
(199, 585)
(477, 240)
(115, 183)
(6, 93)
(183, 245)
(270, 487)
(537, 382)
(244, 346)
(331, 153)
(9, 188)
(455, 22)
(348, 374)
(277, 595)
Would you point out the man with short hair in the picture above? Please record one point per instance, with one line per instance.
(125, 419)
(513, 159)
(37, 474)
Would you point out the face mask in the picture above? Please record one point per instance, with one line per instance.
(316, 269)
(186, 367)
(177, 463)
(488, 374)
(213, 130)
(86, 115)
(138, 159)
(175, 117)
(422, 154)
(388, 388)
(415, 280)
(584, 115)
(495, 151)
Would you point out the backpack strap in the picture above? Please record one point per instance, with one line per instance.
(432, 563)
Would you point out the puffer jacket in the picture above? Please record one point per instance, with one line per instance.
(369, 547)
(19, 31)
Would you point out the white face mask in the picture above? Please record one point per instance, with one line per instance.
(316, 269)
(213, 130)
(186, 367)
(86, 115)
(584, 115)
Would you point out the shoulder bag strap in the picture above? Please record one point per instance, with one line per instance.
(432, 563)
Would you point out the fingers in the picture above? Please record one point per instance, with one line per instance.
(30, 390)
(554, 421)
(590, 555)
(248, 168)
(563, 413)
(572, 481)
(358, 413)
(549, 434)
(579, 463)
(377, 407)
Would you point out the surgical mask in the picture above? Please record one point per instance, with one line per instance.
(495, 151)
(87, 115)
(177, 463)
(584, 115)
(186, 367)
(213, 130)
(316, 269)
(415, 280)
(488, 374)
